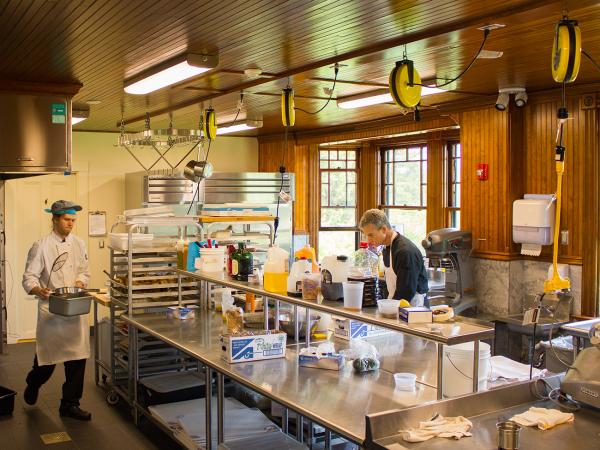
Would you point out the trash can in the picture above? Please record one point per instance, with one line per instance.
(7, 401)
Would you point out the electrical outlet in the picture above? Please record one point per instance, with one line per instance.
(564, 237)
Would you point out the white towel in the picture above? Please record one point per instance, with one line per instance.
(446, 427)
(543, 418)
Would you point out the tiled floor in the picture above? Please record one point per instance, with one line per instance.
(111, 427)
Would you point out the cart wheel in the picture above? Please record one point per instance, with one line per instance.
(112, 398)
(104, 377)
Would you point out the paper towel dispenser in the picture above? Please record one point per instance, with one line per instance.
(533, 222)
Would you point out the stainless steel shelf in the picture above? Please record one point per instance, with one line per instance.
(444, 333)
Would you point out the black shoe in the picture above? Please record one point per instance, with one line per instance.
(30, 395)
(75, 412)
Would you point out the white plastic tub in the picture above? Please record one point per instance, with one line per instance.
(212, 259)
(405, 381)
(119, 241)
(388, 307)
(458, 368)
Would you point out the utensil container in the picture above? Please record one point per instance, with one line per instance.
(508, 435)
(69, 301)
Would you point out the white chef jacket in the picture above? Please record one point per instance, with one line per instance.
(58, 338)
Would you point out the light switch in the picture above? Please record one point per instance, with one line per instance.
(564, 237)
(101, 243)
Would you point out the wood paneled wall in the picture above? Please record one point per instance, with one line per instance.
(436, 186)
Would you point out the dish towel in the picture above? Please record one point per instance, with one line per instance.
(446, 427)
(543, 418)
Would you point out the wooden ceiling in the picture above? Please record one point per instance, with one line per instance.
(100, 42)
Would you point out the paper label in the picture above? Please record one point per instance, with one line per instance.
(59, 113)
(531, 316)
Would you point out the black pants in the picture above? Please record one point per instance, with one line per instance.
(72, 388)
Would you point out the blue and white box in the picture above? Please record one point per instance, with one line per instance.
(353, 329)
(416, 314)
(256, 346)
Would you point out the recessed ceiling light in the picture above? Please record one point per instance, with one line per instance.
(252, 72)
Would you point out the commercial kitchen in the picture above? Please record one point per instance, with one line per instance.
(299, 224)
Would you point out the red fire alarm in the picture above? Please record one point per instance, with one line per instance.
(482, 171)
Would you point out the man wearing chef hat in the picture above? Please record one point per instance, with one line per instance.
(59, 339)
(405, 274)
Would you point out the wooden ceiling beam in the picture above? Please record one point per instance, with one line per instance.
(456, 25)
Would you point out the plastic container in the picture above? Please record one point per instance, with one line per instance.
(458, 368)
(276, 270)
(7, 401)
(405, 381)
(212, 259)
(388, 308)
(120, 241)
(334, 271)
(365, 262)
(353, 294)
(182, 312)
(170, 388)
(311, 285)
(294, 285)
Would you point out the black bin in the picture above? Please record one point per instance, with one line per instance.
(169, 388)
(7, 401)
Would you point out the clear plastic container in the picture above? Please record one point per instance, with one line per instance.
(388, 307)
(276, 270)
(405, 381)
(365, 261)
(353, 294)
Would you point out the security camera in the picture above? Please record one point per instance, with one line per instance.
(502, 102)
(504, 97)
(521, 99)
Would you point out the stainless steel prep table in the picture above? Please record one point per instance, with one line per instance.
(456, 332)
(580, 332)
(339, 401)
(485, 410)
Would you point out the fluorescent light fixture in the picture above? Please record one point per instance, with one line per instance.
(489, 54)
(378, 97)
(170, 72)
(79, 113)
(241, 126)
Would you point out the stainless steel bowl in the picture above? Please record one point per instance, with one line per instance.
(286, 323)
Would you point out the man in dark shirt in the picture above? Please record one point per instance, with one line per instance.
(405, 273)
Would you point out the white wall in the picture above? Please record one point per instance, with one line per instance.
(101, 167)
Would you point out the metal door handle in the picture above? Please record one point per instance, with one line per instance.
(24, 158)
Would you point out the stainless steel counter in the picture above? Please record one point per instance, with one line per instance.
(444, 333)
(579, 329)
(337, 400)
(485, 410)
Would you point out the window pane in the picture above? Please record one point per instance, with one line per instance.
(414, 153)
(455, 219)
(337, 164)
(324, 165)
(352, 154)
(424, 171)
(407, 184)
(388, 195)
(424, 194)
(351, 164)
(336, 243)
(400, 154)
(388, 172)
(338, 217)
(324, 195)
(389, 155)
(337, 186)
(410, 223)
(351, 177)
(424, 150)
(324, 177)
(351, 195)
(323, 154)
(458, 150)
(457, 197)
(342, 155)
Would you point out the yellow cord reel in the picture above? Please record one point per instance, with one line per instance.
(405, 84)
(209, 126)
(566, 51)
(288, 112)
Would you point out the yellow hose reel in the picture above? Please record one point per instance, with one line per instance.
(566, 51)
(209, 126)
(288, 113)
(405, 84)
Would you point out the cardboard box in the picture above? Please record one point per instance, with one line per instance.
(256, 346)
(353, 329)
(416, 314)
(329, 362)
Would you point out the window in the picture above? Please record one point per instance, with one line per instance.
(404, 195)
(338, 171)
(454, 173)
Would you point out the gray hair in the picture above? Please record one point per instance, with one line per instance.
(374, 217)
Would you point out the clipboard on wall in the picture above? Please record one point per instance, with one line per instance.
(97, 223)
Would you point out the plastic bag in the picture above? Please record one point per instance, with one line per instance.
(232, 315)
(365, 356)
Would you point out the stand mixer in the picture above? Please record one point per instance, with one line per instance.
(450, 271)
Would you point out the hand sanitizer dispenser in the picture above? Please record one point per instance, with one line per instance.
(533, 222)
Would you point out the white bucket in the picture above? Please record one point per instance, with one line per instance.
(458, 368)
(212, 259)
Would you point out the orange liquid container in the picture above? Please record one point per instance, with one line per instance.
(276, 282)
(307, 252)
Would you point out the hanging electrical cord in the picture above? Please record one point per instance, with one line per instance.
(587, 55)
(486, 33)
(336, 69)
(197, 193)
(555, 396)
(282, 172)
